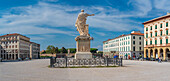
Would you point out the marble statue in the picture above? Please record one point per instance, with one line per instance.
(83, 41)
(81, 25)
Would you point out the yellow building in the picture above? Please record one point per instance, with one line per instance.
(157, 38)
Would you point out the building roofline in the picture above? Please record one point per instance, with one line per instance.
(156, 19)
(116, 37)
(124, 35)
(35, 43)
(13, 35)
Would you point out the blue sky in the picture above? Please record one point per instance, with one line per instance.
(51, 22)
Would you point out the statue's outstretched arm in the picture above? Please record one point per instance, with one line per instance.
(89, 14)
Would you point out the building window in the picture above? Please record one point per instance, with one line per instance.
(151, 34)
(155, 26)
(155, 33)
(146, 35)
(133, 48)
(161, 25)
(155, 42)
(146, 42)
(166, 24)
(150, 42)
(161, 33)
(133, 42)
(133, 37)
(139, 38)
(151, 28)
(160, 41)
(140, 43)
(166, 32)
(146, 29)
(128, 42)
(166, 41)
(139, 48)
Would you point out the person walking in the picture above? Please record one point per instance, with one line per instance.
(159, 60)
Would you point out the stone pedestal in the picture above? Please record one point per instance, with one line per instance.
(83, 47)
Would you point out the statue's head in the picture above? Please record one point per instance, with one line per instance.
(82, 10)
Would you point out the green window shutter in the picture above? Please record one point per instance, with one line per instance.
(155, 26)
(155, 42)
(151, 28)
(166, 41)
(151, 34)
(155, 33)
(146, 42)
(150, 42)
(161, 25)
(166, 24)
(161, 41)
(146, 29)
(161, 33)
(146, 35)
(166, 32)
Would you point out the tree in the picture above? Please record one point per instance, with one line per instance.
(93, 50)
(49, 49)
(63, 50)
(53, 50)
(72, 50)
(56, 50)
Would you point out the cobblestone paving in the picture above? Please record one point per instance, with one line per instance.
(37, 70)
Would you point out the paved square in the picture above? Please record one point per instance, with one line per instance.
(37, 70)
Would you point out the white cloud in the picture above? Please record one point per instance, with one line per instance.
(142, 7)
(100, 33)
(162, 4)
(29, 19)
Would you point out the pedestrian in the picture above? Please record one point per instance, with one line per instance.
(159, 60)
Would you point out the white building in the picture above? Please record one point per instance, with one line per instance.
(125, 45)
(14, 46)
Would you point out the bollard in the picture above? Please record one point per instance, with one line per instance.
(66, 60)
(121, 62)
(51, 62)
(107, 61)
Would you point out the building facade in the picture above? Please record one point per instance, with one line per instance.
(157, 38)
(34, 50)
(14, 46)
(125, 45)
